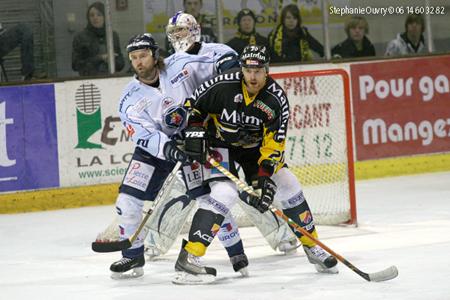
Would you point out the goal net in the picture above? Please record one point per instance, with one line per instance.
(319, 145)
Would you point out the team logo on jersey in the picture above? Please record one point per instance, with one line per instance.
(238, 98)
(175, 116)
(180, 77)
(305, 217)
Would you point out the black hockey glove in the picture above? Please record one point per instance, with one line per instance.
(267, 189)
(174, 154)
(195, 144)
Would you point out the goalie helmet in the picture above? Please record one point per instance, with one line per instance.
(182, 31)
(254, 56)
(143, 41)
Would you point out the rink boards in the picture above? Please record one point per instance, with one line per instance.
(62, 144)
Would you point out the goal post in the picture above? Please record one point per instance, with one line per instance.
(319, 146)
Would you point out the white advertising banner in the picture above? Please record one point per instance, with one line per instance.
(93, 145)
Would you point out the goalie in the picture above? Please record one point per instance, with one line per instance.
(246, 115)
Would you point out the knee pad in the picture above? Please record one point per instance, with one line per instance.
(129, 207)
(222, 197)
(129, 210)
(288, 189)
(224, 192)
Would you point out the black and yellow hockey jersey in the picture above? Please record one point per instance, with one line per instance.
(234, 119)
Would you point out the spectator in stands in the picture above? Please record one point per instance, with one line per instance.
(89, 52)
(193, 7)
(357, 44)
(290, 41)
(14, 36)
(411, 41)
(246, 34)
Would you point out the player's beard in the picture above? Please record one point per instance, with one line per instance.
(148, 75)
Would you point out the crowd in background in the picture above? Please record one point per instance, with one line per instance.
(289, 42)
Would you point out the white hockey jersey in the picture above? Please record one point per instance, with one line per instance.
(153, 115)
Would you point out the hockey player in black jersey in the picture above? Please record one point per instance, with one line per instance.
(242, 118)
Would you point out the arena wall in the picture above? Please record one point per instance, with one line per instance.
(63, 145)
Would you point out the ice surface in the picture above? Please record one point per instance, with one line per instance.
(403, 221)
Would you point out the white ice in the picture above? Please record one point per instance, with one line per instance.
(403, 221)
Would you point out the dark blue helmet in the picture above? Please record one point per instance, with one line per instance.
(143, 41)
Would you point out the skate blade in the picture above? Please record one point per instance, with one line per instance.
(184, 278)
(244, 272)
(321, 269)
(133, 273)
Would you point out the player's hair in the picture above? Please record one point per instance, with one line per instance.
(355, 21)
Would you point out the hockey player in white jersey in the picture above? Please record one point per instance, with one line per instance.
(167, 219)
(184, 34)
(151, 111)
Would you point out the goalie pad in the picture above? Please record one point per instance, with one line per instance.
(167, 220)
(273, 229)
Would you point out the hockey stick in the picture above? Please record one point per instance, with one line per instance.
(112, 246)
(386, 274)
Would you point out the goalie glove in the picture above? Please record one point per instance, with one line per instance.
(265, 187)
(174, 154)
(195, 144)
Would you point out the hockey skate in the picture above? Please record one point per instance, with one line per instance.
(240, 263)
(189, 269)
(322, 261)
(126, 268)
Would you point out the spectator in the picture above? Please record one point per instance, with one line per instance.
(89, 52)
(290, 41)
(357, 44)
(10, 38)
(246, 34)
(411, 41)
(193, 7)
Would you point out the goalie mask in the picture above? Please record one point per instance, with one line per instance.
(182, 31)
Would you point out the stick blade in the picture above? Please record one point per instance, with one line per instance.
(387, 274)
(110, 246)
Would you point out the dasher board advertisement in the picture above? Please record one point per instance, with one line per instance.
(94, 147)
(28, 145)
(401, 108)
